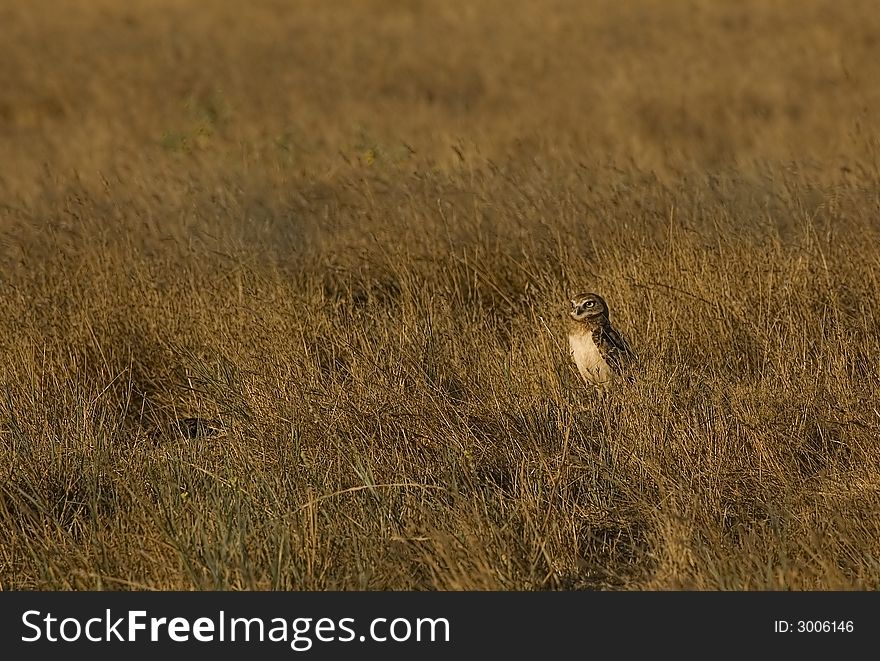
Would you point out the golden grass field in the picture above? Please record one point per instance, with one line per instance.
(349, 231)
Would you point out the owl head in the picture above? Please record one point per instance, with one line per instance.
(588, 307)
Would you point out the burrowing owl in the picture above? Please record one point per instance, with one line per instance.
(598, 350)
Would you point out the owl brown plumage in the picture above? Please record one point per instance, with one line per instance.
(597, 348)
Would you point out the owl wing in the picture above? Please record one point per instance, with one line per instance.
(613, 348)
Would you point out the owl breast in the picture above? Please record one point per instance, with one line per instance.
(590, 363)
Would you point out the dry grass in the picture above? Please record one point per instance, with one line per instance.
(348, 230)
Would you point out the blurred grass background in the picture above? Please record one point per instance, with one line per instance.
(348, 230)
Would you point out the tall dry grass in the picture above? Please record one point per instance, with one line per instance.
(349, 230)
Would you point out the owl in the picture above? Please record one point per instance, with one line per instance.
(597, 348)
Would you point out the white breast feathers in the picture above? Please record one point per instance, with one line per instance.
(586, 355)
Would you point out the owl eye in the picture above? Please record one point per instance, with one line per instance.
(590, 304)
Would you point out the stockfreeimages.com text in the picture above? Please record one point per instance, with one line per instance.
(301, 632)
